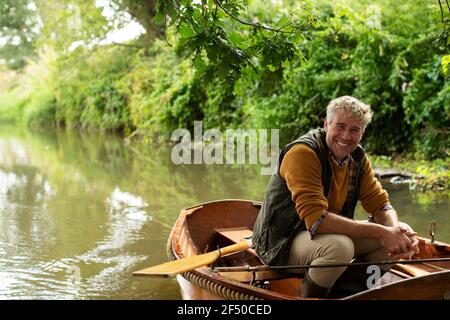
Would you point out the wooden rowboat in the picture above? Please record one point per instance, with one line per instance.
(208, 226)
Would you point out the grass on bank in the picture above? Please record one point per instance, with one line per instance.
(427, 174)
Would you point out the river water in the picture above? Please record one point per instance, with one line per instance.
(80, 212)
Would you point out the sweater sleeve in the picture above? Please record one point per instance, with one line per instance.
(302, 172)
(372, 195)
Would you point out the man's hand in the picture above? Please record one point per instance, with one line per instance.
(408, 231)
(397, 237)
(400, 241)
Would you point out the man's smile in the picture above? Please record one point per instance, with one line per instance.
(341, 144)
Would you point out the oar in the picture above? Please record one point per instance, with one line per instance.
(266, 267)
(172, 268)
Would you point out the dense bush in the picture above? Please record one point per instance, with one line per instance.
(396, 69)
(427, 108)
(157, 88)
(86, 89)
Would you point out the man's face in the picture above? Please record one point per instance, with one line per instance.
(343, 134)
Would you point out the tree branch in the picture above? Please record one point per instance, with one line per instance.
(259, 26)
(255, 25)
(442, 10)
(165, 28)
(128, 45)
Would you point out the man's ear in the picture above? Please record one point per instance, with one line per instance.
(325, 125)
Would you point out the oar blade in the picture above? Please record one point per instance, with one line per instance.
(172, 268)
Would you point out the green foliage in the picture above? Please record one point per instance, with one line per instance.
(71, 23)
(427, 175)
(443, 38)
(87, 89)
(253, 64)
(13, 103)
(17, 31)
(40, 110)
(229, 41)
(164, 94)
(80, 90)
(380, 64)
(157, 90)
(435, 176)
(27, 98)
(427, 106)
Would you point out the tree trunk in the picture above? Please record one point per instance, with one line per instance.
(144, 12)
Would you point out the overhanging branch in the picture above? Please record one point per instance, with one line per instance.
(255, 25)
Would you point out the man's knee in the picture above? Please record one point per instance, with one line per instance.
(341, 248)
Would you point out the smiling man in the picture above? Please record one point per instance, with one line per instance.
(308, 212)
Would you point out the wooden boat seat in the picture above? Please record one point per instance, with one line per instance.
(236, 235)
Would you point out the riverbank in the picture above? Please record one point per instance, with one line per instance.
(420, 174)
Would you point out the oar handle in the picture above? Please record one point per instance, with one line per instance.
(243, 245)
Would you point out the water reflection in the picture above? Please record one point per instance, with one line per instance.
(79, 213)
(126, 219)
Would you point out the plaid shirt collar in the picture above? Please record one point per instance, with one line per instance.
(340, 163)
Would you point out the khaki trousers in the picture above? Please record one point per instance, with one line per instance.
(330, 249)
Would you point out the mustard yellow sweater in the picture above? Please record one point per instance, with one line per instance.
(302, 171)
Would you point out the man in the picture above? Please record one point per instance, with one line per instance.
(307, 214)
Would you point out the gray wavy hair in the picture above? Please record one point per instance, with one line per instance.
(352, 106)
